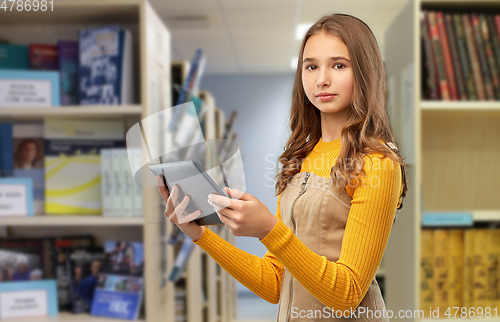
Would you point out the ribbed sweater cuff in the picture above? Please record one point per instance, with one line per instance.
(209, 239)
(278, 239)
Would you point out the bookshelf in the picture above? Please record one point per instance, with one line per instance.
(452, 148)
(152, 69)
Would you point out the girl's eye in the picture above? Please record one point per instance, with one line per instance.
(337, 64)
(310, 66)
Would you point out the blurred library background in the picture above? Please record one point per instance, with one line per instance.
(81, 240)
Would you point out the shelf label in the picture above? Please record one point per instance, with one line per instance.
(23, 304)
(430, 219)
(25, 93)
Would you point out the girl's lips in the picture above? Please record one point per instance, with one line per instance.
(327, 97)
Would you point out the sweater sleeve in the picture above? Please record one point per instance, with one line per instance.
(262, 276)
(342, 285)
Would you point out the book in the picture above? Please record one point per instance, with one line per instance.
(72, 150)
(106, 180)
(6, 150)
(84, 268)
(123, 258)
(17, 266)
(13, 56)
(28, 154)
(43, 57)
(68, 67)
(59, 249)
(118, 296)
(35, 246)
(105, 75)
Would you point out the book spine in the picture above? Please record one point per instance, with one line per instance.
(137, 157)
(480, 268)
(474, 59)
(126, 184)
(493, 269)
(488, 47)
(462, 93)
(483, 63)
(441, 267)
(106, 186)
(450, 74)
(495, 41)
(443, 83)
(426, 271)
(464, 58)
(432, 81)
(117, 183)
(468, 296)
(456, 267)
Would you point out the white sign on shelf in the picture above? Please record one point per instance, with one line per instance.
(16, 304)
(25, 93)
(16, 197)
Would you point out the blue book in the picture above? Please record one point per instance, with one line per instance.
(105, 66)
(47, 286)
(14, 56)
(6, 150)
(118, 296)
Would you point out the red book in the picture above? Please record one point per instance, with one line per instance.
(448, 62)
(443, 83)
(43, 57)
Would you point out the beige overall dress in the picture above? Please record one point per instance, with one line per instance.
(317, 212)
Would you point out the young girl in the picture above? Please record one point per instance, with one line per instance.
(340, 184)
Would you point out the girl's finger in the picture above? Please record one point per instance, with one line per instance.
(172, 200)
(180, 208)
(162, 189)
(190, 217)
(228, 212)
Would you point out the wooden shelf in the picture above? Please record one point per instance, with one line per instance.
(472, 106)
(71, 111)
(69, 317)
(55, 220)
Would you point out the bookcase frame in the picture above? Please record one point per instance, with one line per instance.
(451, 148)
(152, 65)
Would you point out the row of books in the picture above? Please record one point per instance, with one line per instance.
(62, 157)
(96, 69)
(86, 276)
(461, 56)
(460, 268)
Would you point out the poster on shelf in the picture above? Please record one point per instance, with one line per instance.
(29, 88)
(16, 197)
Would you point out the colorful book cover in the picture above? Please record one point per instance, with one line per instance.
(84, 268)
(124, 258)
(17, 266)
(34, 246)
(444, 91)
(450, 73)
(452, 40)
(68, 67)
(72, 150)
(118, 297)
(59, 249)
(28, 158)
(14, 56)
(105, 66)
(43, 57)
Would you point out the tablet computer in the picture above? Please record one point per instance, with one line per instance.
(191, 180)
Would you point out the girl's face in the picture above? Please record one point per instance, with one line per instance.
(326, 69)
(28, 152)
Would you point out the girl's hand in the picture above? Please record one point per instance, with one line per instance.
(246, 216)
(174, 210)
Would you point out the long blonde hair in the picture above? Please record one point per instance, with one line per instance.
(368, 120)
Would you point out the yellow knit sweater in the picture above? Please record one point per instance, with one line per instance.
(339, 285)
